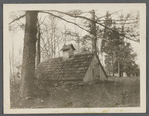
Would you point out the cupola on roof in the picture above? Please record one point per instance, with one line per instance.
(68, 47)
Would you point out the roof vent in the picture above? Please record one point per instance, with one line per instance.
(68, 50)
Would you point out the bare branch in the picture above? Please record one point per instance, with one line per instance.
(74, 16)
(110, 14)
(117, 32)
(73, 34)
(86, 19)
(121, 20)
(65, 20)
(125, 23)
(78, 16)
(73, 22)
(21, 25)
(17, 19)
(42, 21)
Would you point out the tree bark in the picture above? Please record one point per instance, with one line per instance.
(119, 73)
(93, 33)
(38, 47)
(29, 51)
(112, 65)
(11, 76)
(54, 42)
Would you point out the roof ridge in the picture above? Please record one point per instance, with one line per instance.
(50, 59)
(72, 55)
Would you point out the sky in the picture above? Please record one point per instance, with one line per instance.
(100, 10)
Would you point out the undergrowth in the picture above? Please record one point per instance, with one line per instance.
(116, 92)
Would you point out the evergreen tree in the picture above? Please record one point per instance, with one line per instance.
(120, 56)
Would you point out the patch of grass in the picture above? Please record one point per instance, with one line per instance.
(116, 92)
(86, 104)
(123, 98)
(67, 104)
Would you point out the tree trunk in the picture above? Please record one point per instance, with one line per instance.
(78, 40)
(54, 42)
(38, 47)
(11, 76)
(119, 73)
(29, 50)
(93, 33)
(12, 61)
(112, 66)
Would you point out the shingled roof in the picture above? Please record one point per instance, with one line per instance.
(58, 69)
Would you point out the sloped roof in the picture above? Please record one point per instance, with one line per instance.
(72, 69)
(67, 47)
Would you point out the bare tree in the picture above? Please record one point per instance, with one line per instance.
(50, 38)
(38, 45)
(29, 50)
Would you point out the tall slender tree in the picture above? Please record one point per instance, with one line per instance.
(38, 45)
(93, 32)
(29, 51)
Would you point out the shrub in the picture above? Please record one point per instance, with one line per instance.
(41, 88)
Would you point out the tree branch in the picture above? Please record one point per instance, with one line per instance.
(17, 19)
(42, 21)
(117, 32)
(76, 16)
(110, 14)
(122, 20)
(87, 19)
(65, 20)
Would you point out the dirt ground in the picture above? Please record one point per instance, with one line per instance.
(116, 92)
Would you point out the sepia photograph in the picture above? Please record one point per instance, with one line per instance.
(74, 58)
